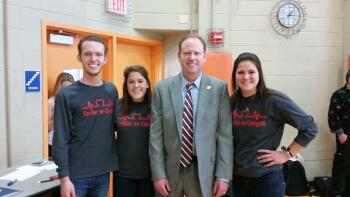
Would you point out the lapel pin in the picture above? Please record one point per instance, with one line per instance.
(208, 87)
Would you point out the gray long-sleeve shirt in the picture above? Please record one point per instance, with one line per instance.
(83, 142)
(258, 127)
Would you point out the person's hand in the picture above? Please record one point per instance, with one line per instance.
(67, 187)
(270, 157)
(162, 187)
(342, 138)
(220, 188)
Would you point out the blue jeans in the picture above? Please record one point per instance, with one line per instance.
(269, 185)
(133, 187)
(94, 186)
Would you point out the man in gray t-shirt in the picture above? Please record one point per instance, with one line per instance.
(83, 144)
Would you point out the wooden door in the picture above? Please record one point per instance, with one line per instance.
(131, 54)
(219, 65)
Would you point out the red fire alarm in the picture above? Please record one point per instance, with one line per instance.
(216, 37)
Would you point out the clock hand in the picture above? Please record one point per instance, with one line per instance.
(290, 13)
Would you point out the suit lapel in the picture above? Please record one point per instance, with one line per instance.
(176, 98)
(205, 93)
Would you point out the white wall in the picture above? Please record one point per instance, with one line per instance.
(2, 94)
(346, 11)
(171, 62)
(162, 15)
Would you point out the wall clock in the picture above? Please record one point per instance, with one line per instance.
(288, 17)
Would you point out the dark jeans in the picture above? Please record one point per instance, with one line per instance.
(95, 186)
(341, 170)
(126, 187)
(269, 185)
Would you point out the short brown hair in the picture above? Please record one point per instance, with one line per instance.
(91, 38)
(193, 36)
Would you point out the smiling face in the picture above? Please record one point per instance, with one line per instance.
(191, 57)
(92, 57)
(247, 78)
(137, 86)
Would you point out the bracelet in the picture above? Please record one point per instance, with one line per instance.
(287, 150)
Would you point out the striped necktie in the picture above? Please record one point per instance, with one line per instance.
(187, 128)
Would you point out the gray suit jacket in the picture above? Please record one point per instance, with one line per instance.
(212, 134)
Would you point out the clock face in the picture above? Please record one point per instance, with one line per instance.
(288, 15)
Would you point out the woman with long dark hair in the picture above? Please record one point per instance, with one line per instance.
(133, 178)
(259, 115)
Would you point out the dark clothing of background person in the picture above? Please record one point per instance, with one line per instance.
(339, 122)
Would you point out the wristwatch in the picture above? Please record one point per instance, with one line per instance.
(287, 150)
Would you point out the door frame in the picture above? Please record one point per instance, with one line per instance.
(109, 71)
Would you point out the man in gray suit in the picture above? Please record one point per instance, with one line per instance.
(207, 168)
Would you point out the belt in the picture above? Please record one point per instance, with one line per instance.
(194, 159)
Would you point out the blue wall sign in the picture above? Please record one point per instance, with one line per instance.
(32, 81)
